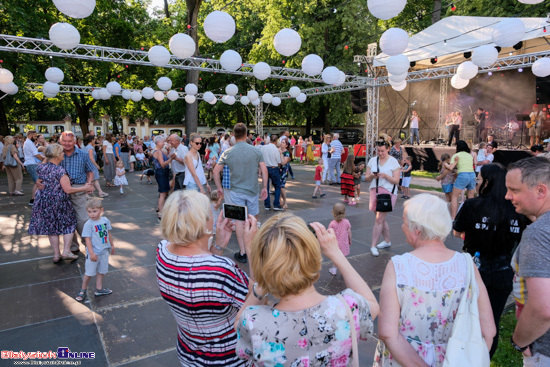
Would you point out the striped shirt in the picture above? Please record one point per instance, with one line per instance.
(76, 166)
(204, 293)
(338, 147)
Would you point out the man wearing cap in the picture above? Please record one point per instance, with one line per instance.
(537, 116)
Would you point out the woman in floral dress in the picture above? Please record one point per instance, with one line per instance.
(422, 289)
(304, 328)
(52, 213)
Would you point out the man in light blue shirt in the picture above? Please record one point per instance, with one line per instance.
(336, 157)
(32, 159)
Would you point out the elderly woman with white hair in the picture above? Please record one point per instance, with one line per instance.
(421, 290)
(203, 290)
(161, 164)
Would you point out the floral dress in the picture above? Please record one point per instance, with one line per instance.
(429, 295)
(317, 336)
(52, 212)
(284, 169)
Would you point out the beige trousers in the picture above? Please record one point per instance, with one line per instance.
(79, 205)
(15, 178)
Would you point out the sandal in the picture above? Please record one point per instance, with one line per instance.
(56, 260)
(69, 256)
(81, 295)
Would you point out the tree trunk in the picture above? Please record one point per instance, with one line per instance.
(436, 15)
(308, 126)
(83, 111)
(192, 110)
(4, 128)
(166, 11)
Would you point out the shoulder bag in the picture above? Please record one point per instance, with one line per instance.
(383, 201)
(9, 161)
(466, 346)
(354, 348)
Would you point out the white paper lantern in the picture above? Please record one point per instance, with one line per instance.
(172, 95)
(255, 102)
(459, 83)
(231, 60)
(508, 32)
(190, 99)
(191, 89)
(330, 75)
(261, 71)
(95, 94)
(267, 98)
(252, 95)
(245, 100)
(395, 83)
(397, 78)
(398, 64)
(136, 96)
(114, 88)
(287, 42)
(48, 95)
(159, 56)
(301, 98)
(230, 100)
(148, 93)
(231, 89)
(208, 96)
(341, 79)
(213, 102)
(219, 26)
(159, 96)
(467, 70)
(530, 2)
(294, 92)
(126, 94)
(50, 88)
(164, 83)
(312, 65)
(64, 36)
(104, 94)
(485, 56)
(386, 9)
(75, 8)
(54, 75)
(541, 67)
(6, 76)
(399, 87)
(11, 88)
(182, 45)
(276, 101)
(394, 41)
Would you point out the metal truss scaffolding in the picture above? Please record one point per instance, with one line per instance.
(443, 90)
(371, 121)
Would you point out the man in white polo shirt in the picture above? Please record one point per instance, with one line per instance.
(272, 159)
(178, 156)
(336, 156)
(32, 159)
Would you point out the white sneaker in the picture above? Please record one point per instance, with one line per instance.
(121, 191)
(374, 251)
(358, 198)
(383, 244)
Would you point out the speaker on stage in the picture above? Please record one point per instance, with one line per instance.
(359, 101)
(543, 90)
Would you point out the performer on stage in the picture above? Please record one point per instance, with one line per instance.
(481, 129)
(511, 128)
(455, 125)
(535, 125)
(414, 128)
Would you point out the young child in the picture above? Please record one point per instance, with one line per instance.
(210, 164)
(406, 170)
(148, 173)
(342, 230)
(99, 243)
(446, 176)
(120, 178)
(357, 179)
(481, 156)
(216, 204)
(347, 185)
(318, 178)
(141, 160)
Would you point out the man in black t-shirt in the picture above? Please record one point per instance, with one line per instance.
(481, 129)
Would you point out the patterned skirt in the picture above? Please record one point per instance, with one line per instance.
(347, 186)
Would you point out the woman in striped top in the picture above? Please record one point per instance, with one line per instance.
(203, 289)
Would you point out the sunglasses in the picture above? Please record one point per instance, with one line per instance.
(381, 143)
(197, 143)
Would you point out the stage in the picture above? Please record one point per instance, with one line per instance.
(427, 156)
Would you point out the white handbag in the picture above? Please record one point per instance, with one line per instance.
(466, 346)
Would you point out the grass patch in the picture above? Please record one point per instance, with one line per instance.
(427, 188)
(424, 174)
(506, 356)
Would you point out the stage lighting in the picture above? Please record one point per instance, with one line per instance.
(413, 64)
(467, 54)
(518, 45)
(498, 48)
(490, 73)
(520, 70)
(433, 60)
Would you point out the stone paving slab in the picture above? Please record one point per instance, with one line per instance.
(133, 326)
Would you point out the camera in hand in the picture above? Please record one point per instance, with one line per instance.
(236, 212)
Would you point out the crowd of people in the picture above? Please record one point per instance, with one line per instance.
(274, 315)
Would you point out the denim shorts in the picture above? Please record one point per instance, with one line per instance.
(447, 188)
(163, 179)
(251, 202)
(31, 170)
(465, 180)
(191, 185)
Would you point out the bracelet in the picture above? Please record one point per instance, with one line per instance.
(217, 247)
(516, 347)
(256, 294)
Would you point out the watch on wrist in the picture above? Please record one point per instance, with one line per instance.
(217, 247)
(256, 294)
(516, 347)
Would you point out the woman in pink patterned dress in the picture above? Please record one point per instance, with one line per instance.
(342, 230)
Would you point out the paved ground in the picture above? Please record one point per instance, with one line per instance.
(133, 326)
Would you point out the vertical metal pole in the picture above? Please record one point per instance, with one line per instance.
(443, 89)
(371, 120)
(259, 119)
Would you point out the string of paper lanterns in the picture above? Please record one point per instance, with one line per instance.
(54, 75)
(159, 56)
(394, 41)
(75, 8)
(148, 93)
(287, 42)
(219, 26)
(64, 36)
(6, 76)
(182, 45)
(386, 9)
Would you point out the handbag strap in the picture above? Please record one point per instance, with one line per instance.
(354, 348)
(470, 282)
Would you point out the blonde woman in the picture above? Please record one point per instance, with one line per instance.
(109, 160)
(194, 172)
(203, 290)
(15, 173)
(304, 327)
